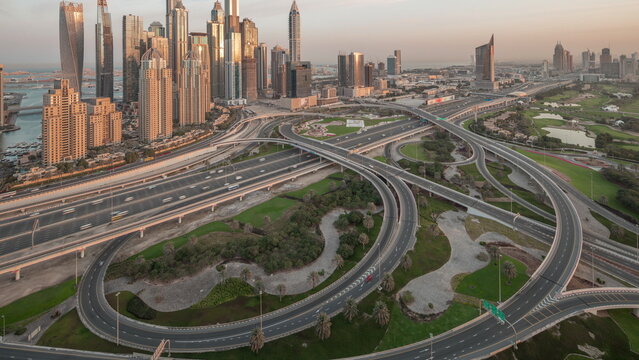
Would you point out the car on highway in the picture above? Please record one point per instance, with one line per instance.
(234, 187)
(68, 211)
(85, 226)
(130, 198)
(238, 178)
(117, 215)
(167, 200)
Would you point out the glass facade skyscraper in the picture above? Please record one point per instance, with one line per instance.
(104, 52)
(72, 43)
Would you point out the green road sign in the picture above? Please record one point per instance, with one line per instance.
(494, 311)
(441, 119)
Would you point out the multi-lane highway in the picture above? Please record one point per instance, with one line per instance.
(544, 289)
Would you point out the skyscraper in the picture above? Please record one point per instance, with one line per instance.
(170, 5)
(156, 97)
(72, 43)
(261, 64)
(279, 58)
(157, 29)
(215, 31)
(105, 123)
(392, 65)
(132, 47)
(559, 58)
(398, 64)
(369, 74)
(180, 33)
(299, 77)
(161, 44)
(200, 48)
(294, 33)
(233, 53)
(104, 52)
(64, 124)
(250, 40)
(193, 98)
(485, 61)
(606, 57)
(343, 70)
(2, 121)
(356, 69)
(585, 59)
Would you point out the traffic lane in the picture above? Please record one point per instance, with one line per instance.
(17, 352)
(164, 188)
(156, 204)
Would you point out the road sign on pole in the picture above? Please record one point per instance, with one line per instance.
(498, 314)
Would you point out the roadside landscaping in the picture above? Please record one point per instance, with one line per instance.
(20, 312)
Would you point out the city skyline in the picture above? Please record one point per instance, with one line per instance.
(272, 19)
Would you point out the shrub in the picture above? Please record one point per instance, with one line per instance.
(139, 309)
(226, 291)
(407, 297)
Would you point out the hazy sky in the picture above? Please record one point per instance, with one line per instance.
(427, 31)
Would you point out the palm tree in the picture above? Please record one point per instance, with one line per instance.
(281, 289)
(338, 261)
(510, 270)
(493, 251)
(313, 278)
(407, 262)
(368, 223)
(323, 326)
(246, 274)
(350, 309)
(381, 313)
(257, 340)
(388, 283)
(363, 239)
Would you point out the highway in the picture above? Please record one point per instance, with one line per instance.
(546, 285)
(396, 237)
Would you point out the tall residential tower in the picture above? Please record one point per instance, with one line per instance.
(132, 50)
(294, 33)
(104, 52)
(72, 43)
(485, 61)
(180, 44)
(233, 53)
(64, 124)
(156, 97)
(215, 32)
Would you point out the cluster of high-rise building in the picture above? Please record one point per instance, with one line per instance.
(69, 125)
(357, 78)
(562, 59)
(170, 74)
(623, 67)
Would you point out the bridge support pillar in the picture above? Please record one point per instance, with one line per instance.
(212, 208)
(82, 254)
(180, 220)
(141, 233)
(268, 188)
(17, 275)
(242, 198)
(635, 312)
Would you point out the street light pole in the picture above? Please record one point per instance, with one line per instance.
(515, 330)
(76, 269)
(499, 275)
(592, 253)
(117, 319)
(3, 329)
(431, 346)
(261, 323)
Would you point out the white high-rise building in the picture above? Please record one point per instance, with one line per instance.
(294, 33)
